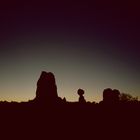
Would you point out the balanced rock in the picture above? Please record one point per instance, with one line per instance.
(81, 92)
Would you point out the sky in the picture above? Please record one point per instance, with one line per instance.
(88, 45)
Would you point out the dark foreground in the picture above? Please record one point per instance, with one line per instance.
(69, 121)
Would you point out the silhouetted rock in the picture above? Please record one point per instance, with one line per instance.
(64, 100)
(111, 96)
(81, 98)
(116, 95)
(46, 88)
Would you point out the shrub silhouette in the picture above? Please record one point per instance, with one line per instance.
(124, 97)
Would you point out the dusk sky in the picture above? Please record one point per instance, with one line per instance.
(86, 45)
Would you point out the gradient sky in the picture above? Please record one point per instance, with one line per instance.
(91, 46)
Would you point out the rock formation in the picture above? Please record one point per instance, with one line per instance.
(46, 88)
(111, 96)
(81, 97)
